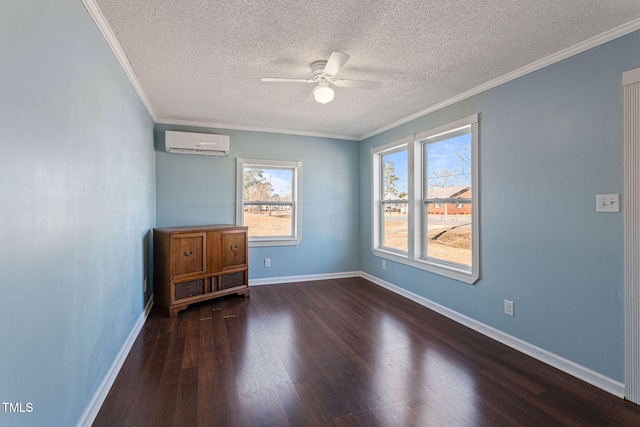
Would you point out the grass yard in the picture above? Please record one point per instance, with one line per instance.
(450, 243)
(446, 242)
(278, 223)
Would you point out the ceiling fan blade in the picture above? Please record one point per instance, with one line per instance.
(335, 62)
(359, 84)
(285, 80)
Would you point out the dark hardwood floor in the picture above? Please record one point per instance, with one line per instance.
(339, 353)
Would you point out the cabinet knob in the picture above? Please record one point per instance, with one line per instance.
(234, 248)
(188, 253)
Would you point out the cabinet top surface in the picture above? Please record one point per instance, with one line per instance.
(188, 228)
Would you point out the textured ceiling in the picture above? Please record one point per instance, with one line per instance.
(202, 60)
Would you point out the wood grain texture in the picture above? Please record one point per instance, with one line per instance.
(341, 352)
(199, 263)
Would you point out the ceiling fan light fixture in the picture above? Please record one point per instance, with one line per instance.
(324, 73)
(323, 94)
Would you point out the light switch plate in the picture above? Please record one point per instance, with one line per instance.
(607, 202)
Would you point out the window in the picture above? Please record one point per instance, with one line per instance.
(394, 200)
(431, 221)
(268, 194)
(447, 197)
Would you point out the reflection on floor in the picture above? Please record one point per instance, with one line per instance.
(339, 352)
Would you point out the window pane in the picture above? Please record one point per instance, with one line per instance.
(268, 220)
(395, 227)
(448, 198)
(274, 185)
(268, 185)
(449, 234)
(269, 194)
(448, 164)
(394, 175)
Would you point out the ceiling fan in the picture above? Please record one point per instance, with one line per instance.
(323, 73)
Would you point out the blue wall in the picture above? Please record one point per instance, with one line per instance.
(549, 142)
(80, 185)
(195, 190)
(77, 200)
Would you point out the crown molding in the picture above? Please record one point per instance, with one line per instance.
(105, 29)
(534, 66)
(112, 41)
(212, 125)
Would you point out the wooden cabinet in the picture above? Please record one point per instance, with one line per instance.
(194, 264)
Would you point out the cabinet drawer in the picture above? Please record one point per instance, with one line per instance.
(188, 254)
(234, 249)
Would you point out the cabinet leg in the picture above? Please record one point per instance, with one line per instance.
(173, 311)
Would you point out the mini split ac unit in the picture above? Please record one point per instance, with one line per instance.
(196, 143)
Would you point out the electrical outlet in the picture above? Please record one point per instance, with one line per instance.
(508, 308)
(267, 262)
(384, 264)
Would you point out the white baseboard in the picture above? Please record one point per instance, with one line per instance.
(585, 374)
(92, 409)
(306, 278)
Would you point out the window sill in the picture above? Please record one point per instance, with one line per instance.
(451, 272)
(273, 242)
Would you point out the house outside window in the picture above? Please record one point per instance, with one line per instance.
(268, 194)
(442, 218)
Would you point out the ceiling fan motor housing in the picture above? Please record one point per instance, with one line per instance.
(317, 68)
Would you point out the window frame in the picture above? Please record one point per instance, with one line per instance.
(417, 194)
(296, 192)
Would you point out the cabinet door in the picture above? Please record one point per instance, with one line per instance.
(234, 249)
(188, 254)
